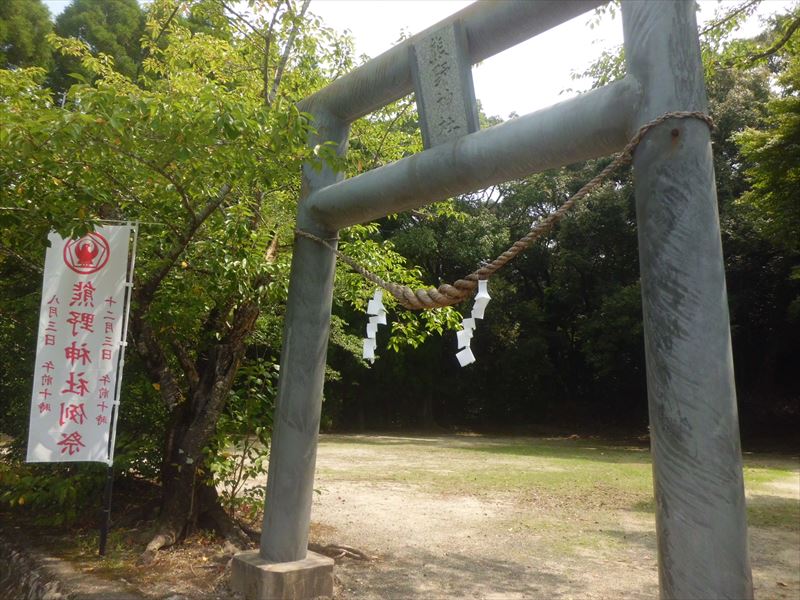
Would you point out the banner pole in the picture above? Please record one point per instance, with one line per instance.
(105, 522)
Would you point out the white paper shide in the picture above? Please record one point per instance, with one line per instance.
(377, 311)
(75, 387)
(464, 336)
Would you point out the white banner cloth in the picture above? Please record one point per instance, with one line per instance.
(78, 347)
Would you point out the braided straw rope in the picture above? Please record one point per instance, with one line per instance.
(447, 294)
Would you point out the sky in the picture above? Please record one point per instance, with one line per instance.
(527, 77)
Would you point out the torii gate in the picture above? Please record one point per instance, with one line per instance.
(697, 466)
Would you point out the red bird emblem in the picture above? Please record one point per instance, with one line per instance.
(86, 253)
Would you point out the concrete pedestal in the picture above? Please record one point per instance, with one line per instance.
(258, 579)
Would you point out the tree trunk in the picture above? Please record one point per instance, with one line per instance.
(427, 418)
(190, 500)
(188, 495)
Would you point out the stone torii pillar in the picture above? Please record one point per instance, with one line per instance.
(694, 429)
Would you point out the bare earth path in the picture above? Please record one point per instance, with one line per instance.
(506, 518)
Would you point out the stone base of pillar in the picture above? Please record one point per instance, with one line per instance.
(258, 579)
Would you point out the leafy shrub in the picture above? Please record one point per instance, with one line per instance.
(53, 494)
(239, 451)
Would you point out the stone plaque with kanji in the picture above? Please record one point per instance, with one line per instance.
(443, 82)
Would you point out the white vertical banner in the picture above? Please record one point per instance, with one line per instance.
(82, 325)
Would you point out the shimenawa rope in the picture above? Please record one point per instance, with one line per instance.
(447, 294)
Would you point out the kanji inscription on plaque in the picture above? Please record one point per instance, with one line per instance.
(444, 89)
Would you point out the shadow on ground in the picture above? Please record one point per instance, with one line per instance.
(763, 510)
(559, 448)
(424, 574)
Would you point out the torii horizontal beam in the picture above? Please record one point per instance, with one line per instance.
(592, 125)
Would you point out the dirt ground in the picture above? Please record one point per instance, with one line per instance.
(409, 503)
(452, 516)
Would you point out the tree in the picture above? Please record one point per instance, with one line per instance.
(110, 27)
(205, 148)
(772, 152)
(24, 25)
(174, 154)
(764, 250)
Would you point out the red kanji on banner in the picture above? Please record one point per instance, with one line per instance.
(73, 353)
(44, 407)
(72, 442)
(50, 334)
(102, 419)
(83, 294)
(102, 406)
(80, 387)
(109, 319)
(81, 320)
(72, 412)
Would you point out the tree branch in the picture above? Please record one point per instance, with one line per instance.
(33, 268)
(267, 46)
(272, 250)
(244, 318)
(118, 187)
(218, 316)
(286, 51)
(192, 376)
(185, 200)
(242, 19)
(793, 26)
(223, 361)
(155, 361)
(386, 135)
(267, 37)
(730, 16)
(145, 291)
(158, 39)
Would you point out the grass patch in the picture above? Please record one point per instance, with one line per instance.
(122, 550)
(773, 512)
(587, 473)
(566, 449)
(756, 476)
